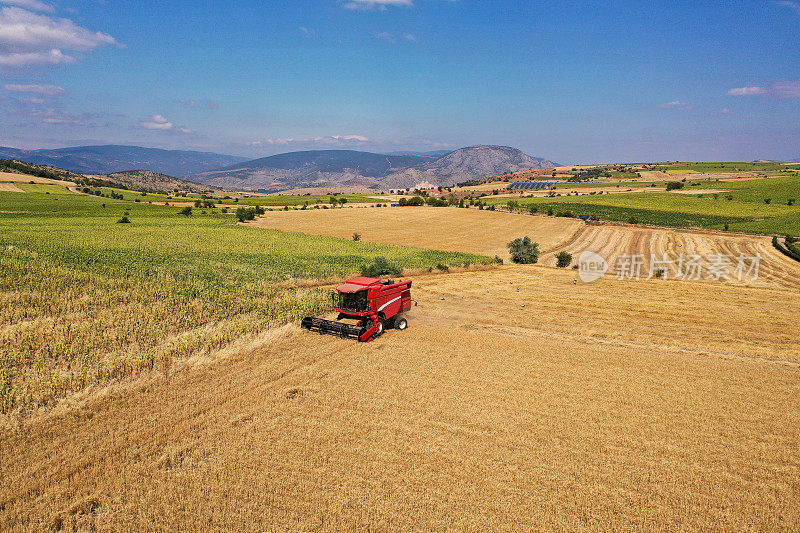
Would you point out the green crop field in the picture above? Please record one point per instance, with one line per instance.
(711, 168)
(309, 199)
(766, 205)
(85, 299)
(265, 201)
(606, 184)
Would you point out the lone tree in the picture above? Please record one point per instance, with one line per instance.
(524, 251)
(563, 259)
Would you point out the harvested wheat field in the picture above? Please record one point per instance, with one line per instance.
(609, 405)
(13, 177)
(449, 229)
(612, 241)
(6, 186)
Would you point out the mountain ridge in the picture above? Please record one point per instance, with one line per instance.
(331, 168)
(110, 158)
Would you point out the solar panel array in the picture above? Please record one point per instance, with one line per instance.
(534, 185)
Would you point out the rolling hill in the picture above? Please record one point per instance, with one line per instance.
(147, 180)
(116, 158)
(314, 168)
(348, 168)
(466, 164)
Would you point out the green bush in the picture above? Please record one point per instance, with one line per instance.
(380, 267)
(356, 237)
(523, 251)
(563, 259)
(123, 220)
(415, 201)
(673, 185)
(186, 211)
(436, 202)
(243, 214)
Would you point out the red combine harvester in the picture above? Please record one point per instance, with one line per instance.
(369, 304)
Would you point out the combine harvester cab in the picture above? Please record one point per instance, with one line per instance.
(366, 307)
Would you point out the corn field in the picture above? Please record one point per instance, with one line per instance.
(84, 301)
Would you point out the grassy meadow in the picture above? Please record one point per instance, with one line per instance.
(85, 299)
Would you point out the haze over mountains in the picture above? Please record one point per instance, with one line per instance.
(316, 168)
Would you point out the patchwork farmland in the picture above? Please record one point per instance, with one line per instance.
(519, 396)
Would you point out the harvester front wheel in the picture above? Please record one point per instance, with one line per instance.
(379, 327)
(400, 323)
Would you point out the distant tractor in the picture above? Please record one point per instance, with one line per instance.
(366, 307)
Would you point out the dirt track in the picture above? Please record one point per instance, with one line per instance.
(611, 405)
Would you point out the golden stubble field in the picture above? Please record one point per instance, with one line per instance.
(615, 241)
(449, 229)
(488, 232)
(8, 178)
(516, 400)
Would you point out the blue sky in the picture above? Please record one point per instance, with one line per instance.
(569, 81)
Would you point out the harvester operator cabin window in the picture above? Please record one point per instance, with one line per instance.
(354, 300)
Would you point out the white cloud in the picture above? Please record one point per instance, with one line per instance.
(156, 122)
(195, 104)
(51, 57)
(44, 90)
(55, 116)
(31, 5)
(357, 138)
(747, 91)
(379, 4)
(330, 139)
(392, 38)
(307, 32)
(675, 104)
(386, 36)
(28, 38)
(794, 6)
(779, 89)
